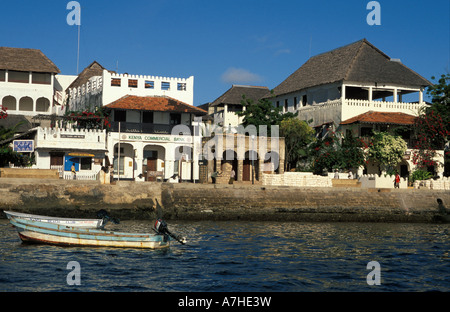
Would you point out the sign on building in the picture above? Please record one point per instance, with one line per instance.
(24, 146)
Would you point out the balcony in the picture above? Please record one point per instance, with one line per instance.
(133, 127)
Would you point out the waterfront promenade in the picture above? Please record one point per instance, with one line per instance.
(188, 201)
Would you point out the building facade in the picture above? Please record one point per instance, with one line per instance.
(154, 137)
(30, 84)
(333, 88)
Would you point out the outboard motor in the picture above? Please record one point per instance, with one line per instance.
(160, 227)
(103, 214)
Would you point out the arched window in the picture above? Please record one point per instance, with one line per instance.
(9, 102)
(42, 105)
(26, 104)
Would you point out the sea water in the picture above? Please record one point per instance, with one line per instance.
(241, 257)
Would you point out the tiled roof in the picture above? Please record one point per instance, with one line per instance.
(235, 93)
(26, 60)
(372, 117)
(154, 103)
(358, 62)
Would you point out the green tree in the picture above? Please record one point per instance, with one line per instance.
(433, 126)
(387, 150)
(7, 155)
(334, 152)
(297, 135)
(262, 113)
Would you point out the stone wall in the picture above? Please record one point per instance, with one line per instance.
(187, 201)
(228, 202)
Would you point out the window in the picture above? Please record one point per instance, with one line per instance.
(41, 78)
(286, 105)
(175, 119)
(115, 82)
(132, 83)
(147, 117)
(181, 87)
(149, 85)
(85, 163)
(278, 104)
(304, 100)
(2, 75)
(295, 102)
(120, 115)
(165, 86)
(18, 76)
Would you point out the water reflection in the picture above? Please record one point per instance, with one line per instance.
(241, 256)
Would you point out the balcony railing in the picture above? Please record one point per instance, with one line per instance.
(132, 127)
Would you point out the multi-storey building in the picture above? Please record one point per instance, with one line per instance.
(147, 114)
(355, 88)
(29, 83)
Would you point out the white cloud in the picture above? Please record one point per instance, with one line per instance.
(240, 75)
(283, 51)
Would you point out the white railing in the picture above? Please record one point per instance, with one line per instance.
(59, 168)
(85, 176)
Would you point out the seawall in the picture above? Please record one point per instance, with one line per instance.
(186, 201)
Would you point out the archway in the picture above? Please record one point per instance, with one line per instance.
(9, 102)
(42, 104)
(229, 162)
(123, 161)
(250, 166)
(153, 162)
(26, 104)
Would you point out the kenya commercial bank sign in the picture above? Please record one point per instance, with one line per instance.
(156, 138)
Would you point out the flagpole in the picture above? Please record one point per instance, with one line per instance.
(78, 51)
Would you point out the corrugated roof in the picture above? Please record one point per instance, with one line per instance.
(359, 62)
(21, 59)
(372, 117)
(154, 103)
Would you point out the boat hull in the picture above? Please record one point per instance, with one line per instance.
(55, 234)
(74, 222)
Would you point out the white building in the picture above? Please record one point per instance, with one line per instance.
(59, 148)
(96, 87)
(225, 108)
(148, 110)
(29, 84)
(152, 137)
(342, 86)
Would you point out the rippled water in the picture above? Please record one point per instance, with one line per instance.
(241, 256)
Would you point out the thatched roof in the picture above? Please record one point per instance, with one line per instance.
(94, 69)
(234, 95)
(20, 59)
(357, 62)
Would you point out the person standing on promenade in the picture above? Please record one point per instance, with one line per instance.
(232, 176)
(397, 181)
(74, 173)
(336, 174)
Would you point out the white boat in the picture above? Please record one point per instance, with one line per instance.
(56, 234)
(73, 222)
(31, 231)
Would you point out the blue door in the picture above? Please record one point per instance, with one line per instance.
(69, 160)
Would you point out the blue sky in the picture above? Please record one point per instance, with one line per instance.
(220, 43)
